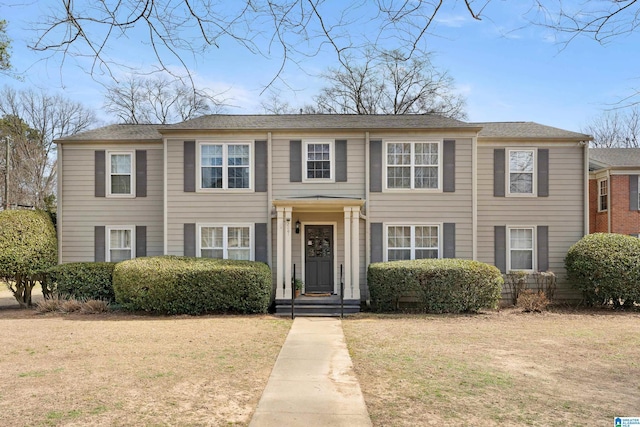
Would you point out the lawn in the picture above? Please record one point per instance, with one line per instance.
(123, 370)
(498, 369)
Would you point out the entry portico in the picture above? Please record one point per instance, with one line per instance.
(314, 222)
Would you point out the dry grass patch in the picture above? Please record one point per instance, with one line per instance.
(122, 370)
(495, 369)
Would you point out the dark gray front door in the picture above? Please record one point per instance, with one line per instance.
(318, 265)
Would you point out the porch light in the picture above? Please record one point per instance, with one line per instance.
(298, 227)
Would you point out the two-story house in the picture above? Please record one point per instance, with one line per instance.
(325, 195)
(613, 190)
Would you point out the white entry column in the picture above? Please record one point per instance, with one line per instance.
(279, 253)
(287, 252)
(347, 253)
(355, 254)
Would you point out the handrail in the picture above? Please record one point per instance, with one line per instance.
(341, 294)
(293, 292)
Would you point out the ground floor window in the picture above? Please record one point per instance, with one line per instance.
(406, 242)
(521, 248)
(225, 241)
(120, 243)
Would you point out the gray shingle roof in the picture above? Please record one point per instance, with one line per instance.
(318, 121)
(615, 157)
(526, 130)
(117, 132)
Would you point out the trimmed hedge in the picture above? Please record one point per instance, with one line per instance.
(84, 280)
(438, 285)
(183, 285)
(606, 268)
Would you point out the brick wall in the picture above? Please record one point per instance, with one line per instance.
(623, 220)
(597, 220)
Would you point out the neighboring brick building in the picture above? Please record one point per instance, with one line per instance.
(613, 190)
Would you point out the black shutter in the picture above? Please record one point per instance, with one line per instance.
(449, 166)
(190, 240)
(261, 166)
(498, 172)
(141, 241)
(376, 242)
(633, 192)
(295, 161)
(543, 248)
(449, 237)
(100, 171)
(375, 166)
(341, 160)
(189, 166)
(260, 230)
(500, 247)
(99, 243)
(141, 173)
(543, 173)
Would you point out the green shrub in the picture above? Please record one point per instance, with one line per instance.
(28, 248)
(438, 285)
(182, 285)
(84, 280)
(606, 268)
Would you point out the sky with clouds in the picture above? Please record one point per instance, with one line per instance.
(507, 69)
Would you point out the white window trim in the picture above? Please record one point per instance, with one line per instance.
(600, 194)
(534, 256)
(225, 240)
(225, 176)
(412, 142)
(332, 160)
(413, 235)
(534, 179)
(133, 174)
(107, 243)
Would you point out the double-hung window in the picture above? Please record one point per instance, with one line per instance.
(603, 195)
(318, 161)
(225, 241)
(120, 243)
(413, 165)
(225, 166)
(405, 242)
(521, 172)
(120, 178)
(521, 248)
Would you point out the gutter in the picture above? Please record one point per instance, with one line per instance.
(367, 222)
(59, 202)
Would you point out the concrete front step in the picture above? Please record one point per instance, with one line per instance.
(317, 307)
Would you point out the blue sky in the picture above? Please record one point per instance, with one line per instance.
(506, 69)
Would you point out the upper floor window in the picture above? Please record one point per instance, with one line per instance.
(521, 248)
(318, 161)
(413, 165)
(603, 195)
(406, 242)
(225, 166)
(120, 178)
(120, 243)
(225, 241)
(521, 172)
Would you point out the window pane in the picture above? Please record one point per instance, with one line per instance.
(238, 155)
(211, 253)
(521, 161)
(521, 183)
(211, 237)
(521, 238)
(120, 239)
(238, 237)
(211, 177)
(426, 154)
(120, 184)
(426, 237)
(211, 155)
(239, 254)
(399, 154)
(399, 177)
(399, 237)
(426, 177)
(121, 163)
(318, 161)
(522, 260)
(239, 177)
(426, 253)
(118, 255)
(399, 254)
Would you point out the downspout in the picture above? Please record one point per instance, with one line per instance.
(474, 198)
(59, 204)
(269, 202)
(586, 186)
(367, 221)
(165, 220)
(609, 207)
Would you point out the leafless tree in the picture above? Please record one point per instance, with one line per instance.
(290, 30)
(615, 128)
(138, 100)
(387, 83)
(34, 120)
(275, 104)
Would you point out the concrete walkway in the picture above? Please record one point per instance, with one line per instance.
(312, 382)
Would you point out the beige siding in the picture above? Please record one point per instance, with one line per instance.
(422, 207)
(221, 207)
(562, 211)
(82, 211)
(354, 187)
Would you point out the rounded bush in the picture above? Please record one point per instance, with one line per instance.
(84, 280)
(606, 268)
(437, 285)
(182, 285)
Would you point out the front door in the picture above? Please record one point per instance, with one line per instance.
(318, 265)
